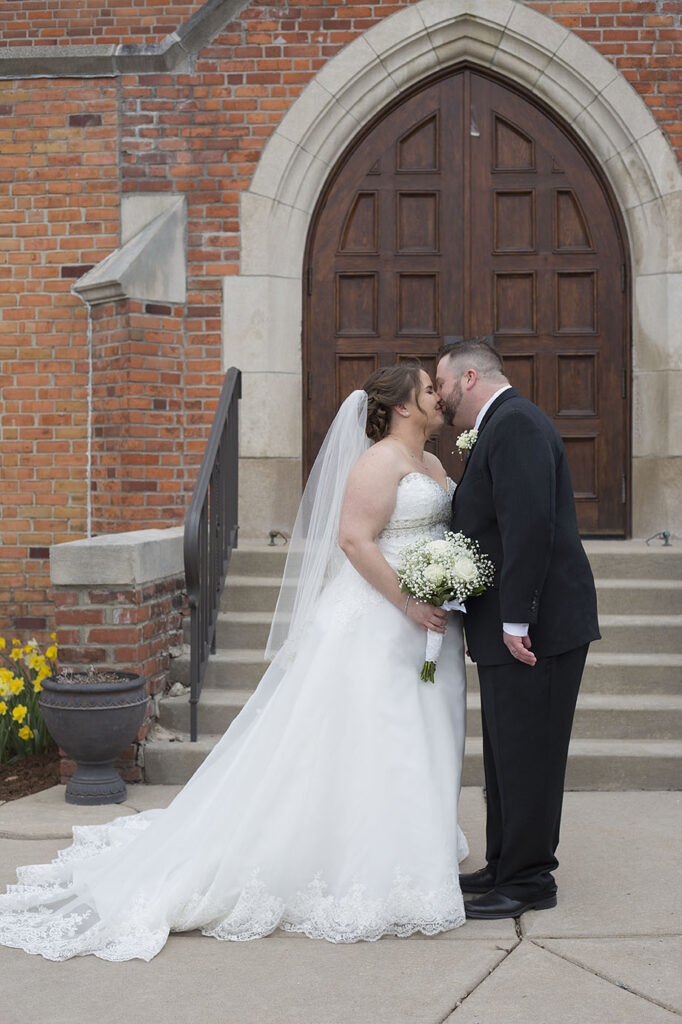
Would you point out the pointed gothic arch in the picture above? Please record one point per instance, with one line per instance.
(262, 305)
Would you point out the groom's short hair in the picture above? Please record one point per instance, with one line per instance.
(479, 353)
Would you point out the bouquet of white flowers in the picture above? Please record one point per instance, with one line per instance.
(443, 573)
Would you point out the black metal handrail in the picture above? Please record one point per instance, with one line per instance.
(211, 530)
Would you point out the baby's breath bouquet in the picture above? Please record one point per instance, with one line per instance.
(443, 573)
(22, 670)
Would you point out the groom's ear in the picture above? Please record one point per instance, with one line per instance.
(470, 378)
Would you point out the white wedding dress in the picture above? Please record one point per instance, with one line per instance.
(329, 807)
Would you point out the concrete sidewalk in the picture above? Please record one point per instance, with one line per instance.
(610, 953)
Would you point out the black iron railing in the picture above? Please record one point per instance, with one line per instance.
(211, 529)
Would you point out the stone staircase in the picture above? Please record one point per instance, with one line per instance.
(628, 725)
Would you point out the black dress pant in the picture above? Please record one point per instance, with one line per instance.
(527, 717)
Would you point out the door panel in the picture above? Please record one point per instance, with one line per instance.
(467, 210)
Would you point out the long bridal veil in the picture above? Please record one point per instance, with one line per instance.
(314, 556)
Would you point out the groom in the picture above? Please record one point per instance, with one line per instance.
(529, 632)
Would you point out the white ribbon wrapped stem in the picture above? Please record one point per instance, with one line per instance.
(434, 641)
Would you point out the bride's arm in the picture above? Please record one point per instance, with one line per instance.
(367, 507)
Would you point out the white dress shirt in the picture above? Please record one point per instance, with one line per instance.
(514, 628)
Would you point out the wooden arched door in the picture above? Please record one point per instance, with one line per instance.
(467, 210)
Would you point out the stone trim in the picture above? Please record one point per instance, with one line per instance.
(118, 559)
(579, 84)
(173, 54)
(151, 264)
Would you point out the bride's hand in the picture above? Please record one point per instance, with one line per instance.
(427, 616)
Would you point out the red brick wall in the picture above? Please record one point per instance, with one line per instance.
(69, 150)
(132, 629)
(138, 466)
(53, 22)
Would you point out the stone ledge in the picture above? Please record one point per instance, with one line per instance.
(174, 53)
(119, 559)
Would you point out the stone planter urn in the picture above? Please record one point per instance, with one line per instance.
(93, 716)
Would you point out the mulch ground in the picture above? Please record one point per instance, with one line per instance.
(29, 775)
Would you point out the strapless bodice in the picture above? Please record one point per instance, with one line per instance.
(422, 509)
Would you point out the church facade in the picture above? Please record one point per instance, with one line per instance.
(307, 191)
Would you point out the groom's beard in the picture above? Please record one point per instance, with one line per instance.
(451, 403)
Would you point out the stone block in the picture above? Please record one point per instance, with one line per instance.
(651, 229)
(118, 559)
(403, 45)
(628, 105)
(522, 61)
(273, 237)
(539, 31)
(269, 495)
(262, 324)
(657, 413)
(657, 314)
(586, 63)
(656, 496)
(630, 176)
(602, 129)
(270, 416)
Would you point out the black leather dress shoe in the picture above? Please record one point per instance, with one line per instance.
(494, 905)
(482, 880)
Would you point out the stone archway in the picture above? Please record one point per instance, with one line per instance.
(262, 305)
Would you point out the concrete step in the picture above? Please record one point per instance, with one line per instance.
(633, 559)
(639, 597)
(608, 764)
(598, 716)
(217, 709)
(616, 673)
(615, 596)
(619, 559)
(255, 558)
(624, 633)
(620, 633)
(238, 630)
(250, 593)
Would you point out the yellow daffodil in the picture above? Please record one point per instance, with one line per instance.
(16, 654)
(4, 690)
(3, 643)
(3, 708)
(16, 643)
(25, 733)
(51, 652)
(53, 636)
(16, 685)
(19, 713)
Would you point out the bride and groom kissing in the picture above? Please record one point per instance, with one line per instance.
(329, 807)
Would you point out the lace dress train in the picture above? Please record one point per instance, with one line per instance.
(329, 807)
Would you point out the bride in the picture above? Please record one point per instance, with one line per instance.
(329, 807)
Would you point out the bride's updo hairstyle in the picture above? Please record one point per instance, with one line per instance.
(386, 388)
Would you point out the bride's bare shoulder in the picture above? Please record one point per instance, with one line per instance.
(383, 461)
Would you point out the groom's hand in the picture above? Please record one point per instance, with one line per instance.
(519, 648)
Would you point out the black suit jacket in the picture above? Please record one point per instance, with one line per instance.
(516, 499)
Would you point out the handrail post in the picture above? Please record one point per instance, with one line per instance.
(211, 533)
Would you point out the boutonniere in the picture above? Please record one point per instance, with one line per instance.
(466, 441)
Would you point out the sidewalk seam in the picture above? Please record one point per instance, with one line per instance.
(478, 984)
(605, 977)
